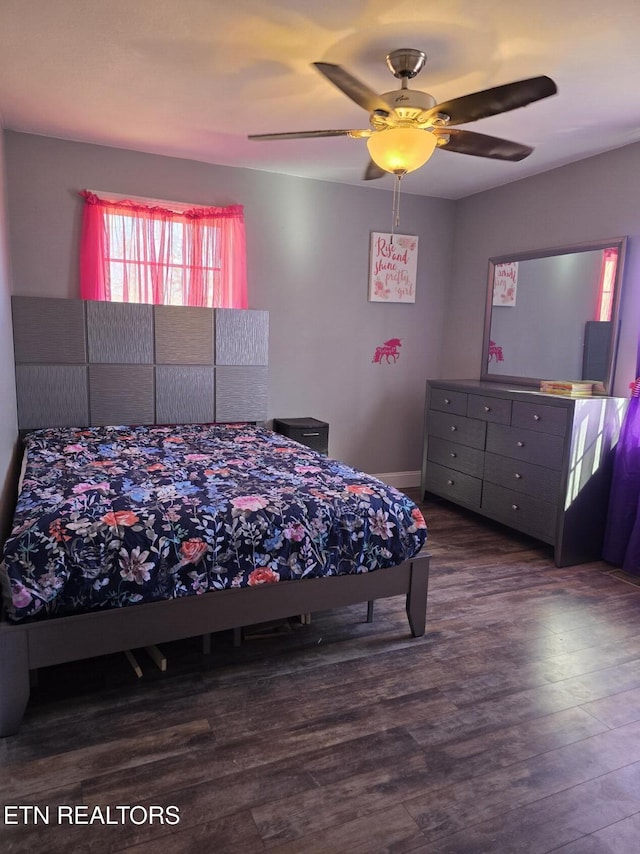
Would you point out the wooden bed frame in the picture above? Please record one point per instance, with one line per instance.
(26, 647)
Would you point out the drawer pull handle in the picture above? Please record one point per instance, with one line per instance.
(453, 454)
(487, 409)
(536, 418)
(520, 444)
(514, 507)
(453, 428)
(449, 483)
(518, 476)
(447, 401)
(311, 434)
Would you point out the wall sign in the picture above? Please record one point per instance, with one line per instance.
(394, 262)
(505, 283)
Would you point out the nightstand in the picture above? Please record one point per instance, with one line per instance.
(308, 431)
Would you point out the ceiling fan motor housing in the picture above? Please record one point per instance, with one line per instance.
(406, 62)
(407, 105)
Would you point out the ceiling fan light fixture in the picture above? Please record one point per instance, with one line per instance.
(401, 150)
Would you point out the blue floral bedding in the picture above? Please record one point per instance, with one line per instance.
(112, 516)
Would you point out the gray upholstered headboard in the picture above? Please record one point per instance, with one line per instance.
(81, 363)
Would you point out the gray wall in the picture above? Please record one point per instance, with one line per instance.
(308, 258)
(592, 199)
(8, 414)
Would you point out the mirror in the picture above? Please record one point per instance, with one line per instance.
(552, 314)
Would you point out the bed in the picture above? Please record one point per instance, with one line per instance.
(125, 537)
(194, 520)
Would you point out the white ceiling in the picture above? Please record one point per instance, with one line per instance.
(191, 78)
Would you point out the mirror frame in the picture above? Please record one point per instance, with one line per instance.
(614, 242)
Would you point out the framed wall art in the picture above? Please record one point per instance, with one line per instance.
(393, 267)
(505, 283)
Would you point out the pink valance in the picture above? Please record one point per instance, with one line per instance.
(145, 252)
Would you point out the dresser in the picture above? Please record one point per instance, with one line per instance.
(539, 463)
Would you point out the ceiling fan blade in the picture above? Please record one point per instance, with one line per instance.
(353, 88)
(303, 134)
(481, 145)
(499, 99)
(373, 171)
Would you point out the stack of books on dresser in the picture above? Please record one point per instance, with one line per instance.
(574, 388)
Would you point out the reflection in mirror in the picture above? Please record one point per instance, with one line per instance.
(553, 315)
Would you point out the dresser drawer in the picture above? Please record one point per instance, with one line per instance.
(308, 431)
(317, 440)
(523, 477)
(539, 448)
(455, 456)
(445, 400)
(489, 408)
(544, 419)
(457, 428)
(524, 512)
(454, 485)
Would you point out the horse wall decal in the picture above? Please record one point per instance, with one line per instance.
(495, 352)
(387, 351)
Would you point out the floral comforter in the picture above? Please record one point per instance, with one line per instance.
(112, 516)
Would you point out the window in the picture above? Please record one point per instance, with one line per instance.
(146, 252)
(607, 282)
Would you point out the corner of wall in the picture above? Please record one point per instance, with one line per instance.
(8, 411)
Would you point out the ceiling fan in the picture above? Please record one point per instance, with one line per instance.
(408, 125)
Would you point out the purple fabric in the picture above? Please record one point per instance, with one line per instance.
(622, 535)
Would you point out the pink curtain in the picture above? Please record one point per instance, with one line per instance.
(607, 280)
(132, 252)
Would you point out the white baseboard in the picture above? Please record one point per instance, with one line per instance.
(400, 479)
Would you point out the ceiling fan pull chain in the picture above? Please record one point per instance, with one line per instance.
(395, 220)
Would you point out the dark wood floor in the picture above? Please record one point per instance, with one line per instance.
(513, 726)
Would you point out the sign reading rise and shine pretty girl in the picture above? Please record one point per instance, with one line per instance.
(394, 262)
